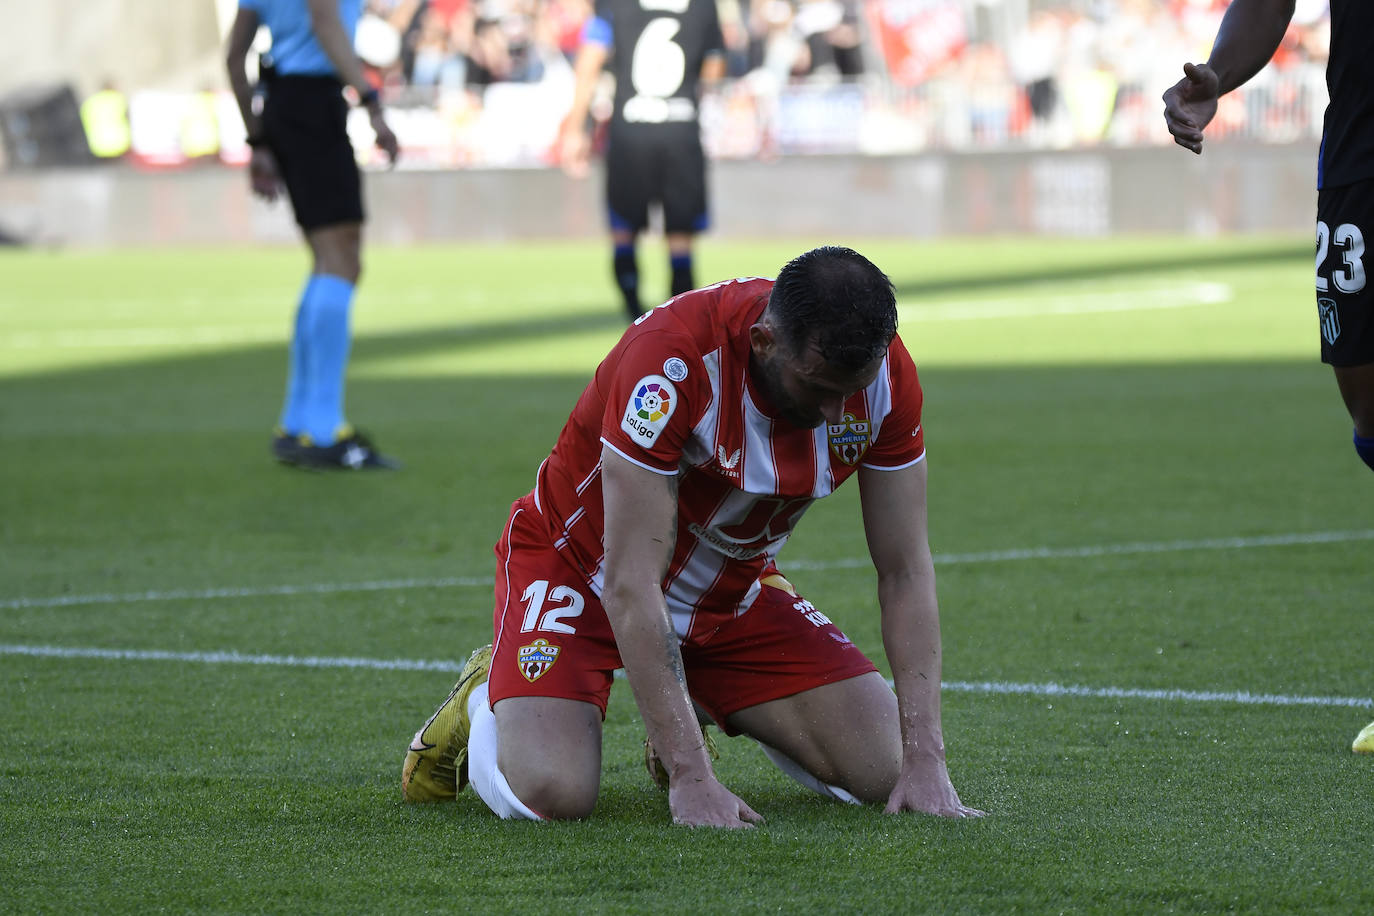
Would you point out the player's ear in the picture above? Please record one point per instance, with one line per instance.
(762, 339)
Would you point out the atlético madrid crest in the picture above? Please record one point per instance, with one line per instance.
(1330, 320)
(537, 658)
(849, 439)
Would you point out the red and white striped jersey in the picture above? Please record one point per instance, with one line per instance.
(675, 397)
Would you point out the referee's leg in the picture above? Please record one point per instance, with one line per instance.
(337, 250)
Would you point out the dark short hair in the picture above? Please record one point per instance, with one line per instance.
(835, 300)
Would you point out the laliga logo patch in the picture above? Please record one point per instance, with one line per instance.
(848, 439)
(536, 659)
(649, 408)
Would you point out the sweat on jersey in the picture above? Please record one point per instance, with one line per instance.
(675, 397)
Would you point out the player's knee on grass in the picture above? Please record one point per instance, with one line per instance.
(864, 754)
(552, 793)
(871, 774)
(864, 771)
(550, 754)
(845, 735)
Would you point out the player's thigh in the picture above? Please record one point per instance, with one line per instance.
(845, 734)
(550, 753)
(553, 662)
(785, 674)
(683, 184)
(781, 646)
(551, 635)
(629, 181)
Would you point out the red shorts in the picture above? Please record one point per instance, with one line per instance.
(553, 638)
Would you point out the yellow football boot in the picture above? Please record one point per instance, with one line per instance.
(1364, 741)
(436, 764)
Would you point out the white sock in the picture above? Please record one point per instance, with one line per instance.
(483, 772)
(794, 770)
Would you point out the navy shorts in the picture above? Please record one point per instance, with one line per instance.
(656, 163)
(1345, 283)
(305, 123)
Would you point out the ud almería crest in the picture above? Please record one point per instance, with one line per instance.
(536, 659)
(849, 439)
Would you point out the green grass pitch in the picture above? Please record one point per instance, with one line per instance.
(1141, 481)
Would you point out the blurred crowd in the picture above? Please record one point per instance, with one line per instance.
(936, 73)
(474, 43)
(485, 82)
(1084, 73)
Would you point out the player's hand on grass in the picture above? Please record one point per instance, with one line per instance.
(701, 801)
(924, 786)
(263, 175)
(1190, 104)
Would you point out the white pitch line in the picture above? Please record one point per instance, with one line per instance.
(1107, 550)
(1242, 697)
(318, 588)
(945, 559)
(1142, 693)
(231, 658)
(1060, 303)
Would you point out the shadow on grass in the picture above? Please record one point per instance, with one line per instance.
(1149, 265)
(156, 474)
(267, 361)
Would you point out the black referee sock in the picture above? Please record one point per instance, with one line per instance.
(627, 278)
(681, 265)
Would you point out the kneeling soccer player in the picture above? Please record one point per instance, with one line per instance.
(649, 543)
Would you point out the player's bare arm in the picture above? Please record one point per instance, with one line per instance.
(574, 143)
(640, 516)
(894, 514)
(1249, 34)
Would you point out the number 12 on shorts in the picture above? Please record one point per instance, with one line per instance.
(545, 608)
